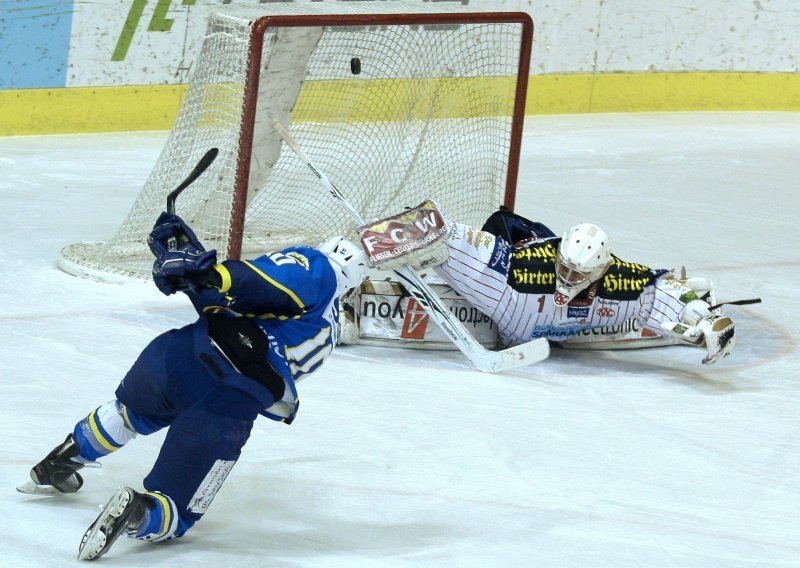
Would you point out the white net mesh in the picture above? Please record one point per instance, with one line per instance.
(392, 113)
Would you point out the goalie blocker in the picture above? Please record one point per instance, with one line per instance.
(381, 312)
(415, 237)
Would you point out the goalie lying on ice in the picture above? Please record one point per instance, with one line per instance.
(534, 284)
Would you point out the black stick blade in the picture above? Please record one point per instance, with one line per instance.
(198, 170)
(736, 303)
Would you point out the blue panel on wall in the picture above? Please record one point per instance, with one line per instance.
(34, 43)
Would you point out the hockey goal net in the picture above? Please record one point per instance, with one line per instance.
(396, 102)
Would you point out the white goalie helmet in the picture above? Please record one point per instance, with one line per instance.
(583, 257)
(349, 262)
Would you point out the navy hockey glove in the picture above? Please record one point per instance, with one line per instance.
(169, 233)
(173, 271)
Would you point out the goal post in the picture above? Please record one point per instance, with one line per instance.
(398, 102)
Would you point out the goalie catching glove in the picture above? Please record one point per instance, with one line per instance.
(700, 327)
(179, 254)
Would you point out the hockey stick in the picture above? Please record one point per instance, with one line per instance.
(198, 170)
(202, 165)
(735, 303)
(482, 358)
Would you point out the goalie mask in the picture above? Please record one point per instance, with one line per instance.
(348, 260)
(583, 257)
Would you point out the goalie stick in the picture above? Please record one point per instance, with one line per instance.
(735, 303)
(483, 359)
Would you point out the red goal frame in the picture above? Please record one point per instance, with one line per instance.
(253, 77)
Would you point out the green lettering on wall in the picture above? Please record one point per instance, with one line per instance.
(128, 29)
(158, 23)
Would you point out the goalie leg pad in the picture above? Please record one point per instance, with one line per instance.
(700, 327)
(719, 335)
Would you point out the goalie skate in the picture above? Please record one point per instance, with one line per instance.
(124, 510)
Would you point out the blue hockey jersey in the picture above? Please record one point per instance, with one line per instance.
(291, 294)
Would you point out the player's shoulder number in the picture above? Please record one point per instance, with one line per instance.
(282, 259)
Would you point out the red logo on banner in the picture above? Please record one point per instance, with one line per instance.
(415, 322)
(560, 299)
(403, 234)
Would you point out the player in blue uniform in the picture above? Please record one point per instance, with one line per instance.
(264, 324)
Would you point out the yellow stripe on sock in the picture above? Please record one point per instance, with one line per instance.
(98, 435)
(165, 504)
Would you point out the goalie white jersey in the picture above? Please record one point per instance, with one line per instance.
(515, 286)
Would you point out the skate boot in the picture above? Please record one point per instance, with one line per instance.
(123, 512)
(56, 473)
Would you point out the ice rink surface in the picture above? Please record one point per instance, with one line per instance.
(411, 458)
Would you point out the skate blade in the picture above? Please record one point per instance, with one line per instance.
(93, 543)
(32, 488)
